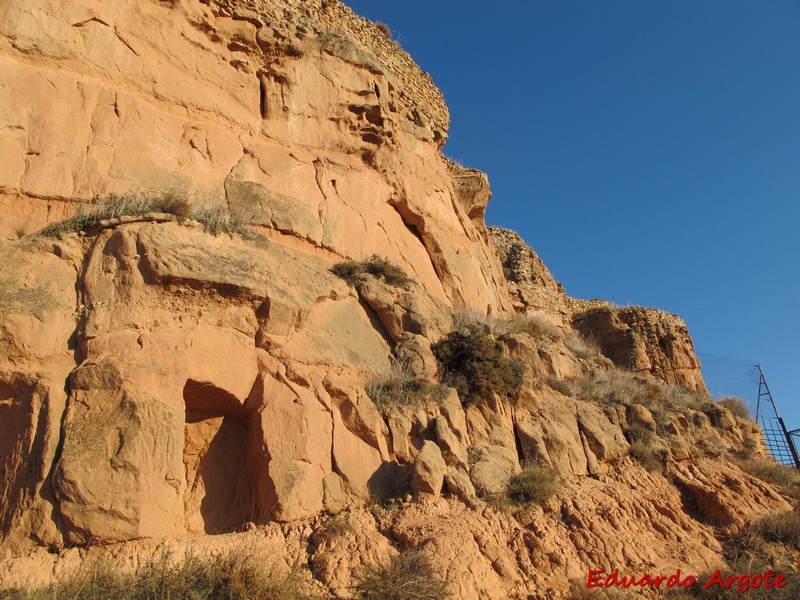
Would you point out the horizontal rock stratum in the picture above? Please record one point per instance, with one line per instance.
(165, 385)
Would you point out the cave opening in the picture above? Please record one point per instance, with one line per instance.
(219, 489)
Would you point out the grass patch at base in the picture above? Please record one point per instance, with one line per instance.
(229, 577)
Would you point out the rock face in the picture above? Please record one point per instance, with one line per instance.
(160, 384)
(530, 282)
(297, 116)
(644, 340)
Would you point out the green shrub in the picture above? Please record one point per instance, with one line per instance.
(409, 576)
(400, 388)
(534, 484)
(474, 363)
(230, 577)
(353, 272)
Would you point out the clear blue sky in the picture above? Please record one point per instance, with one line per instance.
(649, 151)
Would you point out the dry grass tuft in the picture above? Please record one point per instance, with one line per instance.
(354, 272)
(218, 219)
(20, 230)
(400, 387)
(114, 205)
(786, 479)
(782, 528)
(333, 529)
(215, 220)
(621, 387)
(384, 29)
(737, 406)
(581, 347)
(533, 484)
(650, 458)
(535, 325)
(409, 576)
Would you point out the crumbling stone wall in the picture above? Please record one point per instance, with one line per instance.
(419, 98)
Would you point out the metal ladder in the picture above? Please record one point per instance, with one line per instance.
(780, 442)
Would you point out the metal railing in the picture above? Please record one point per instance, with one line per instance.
(780, 441)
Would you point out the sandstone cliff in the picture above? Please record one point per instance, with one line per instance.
(160, 383)
(645, 341)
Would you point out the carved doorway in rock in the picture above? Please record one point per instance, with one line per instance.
(219, 492)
